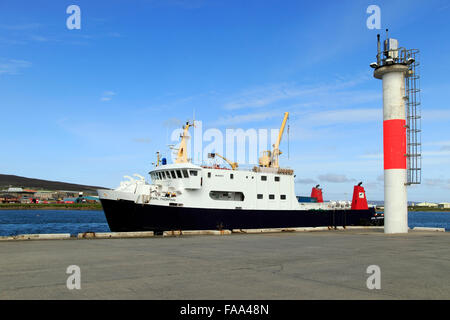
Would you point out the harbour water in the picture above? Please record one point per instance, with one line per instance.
(13, 222)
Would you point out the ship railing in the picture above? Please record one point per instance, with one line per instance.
(253, 168)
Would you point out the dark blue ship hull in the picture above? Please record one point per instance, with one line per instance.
(123, 215)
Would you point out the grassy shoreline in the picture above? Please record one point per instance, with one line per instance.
(422, 209)
(53, 206)
(98, 206)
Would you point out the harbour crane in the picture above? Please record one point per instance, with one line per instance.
(270, 158)
(233, 165)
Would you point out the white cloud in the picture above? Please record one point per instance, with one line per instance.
(142, 140)
(344, 116)
(335, 178)
(40, 38)
(26, 26)
(435, 115)
(114, 34)
(13, 67)
(172, 122)
(441, 143)
(438, 182)
(440, 153)
(305, 181)
(261, 97)
(107, 95)
(320, 94)
(372, 156)
(244, 118)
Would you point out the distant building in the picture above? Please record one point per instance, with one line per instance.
(7, 198)
(83, 199)
(45, 195)
(444, 205)
(427, 204)
(23, 195)
(14, 190)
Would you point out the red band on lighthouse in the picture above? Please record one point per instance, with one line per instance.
(394, 135)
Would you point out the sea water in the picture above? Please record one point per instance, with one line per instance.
(14, 222)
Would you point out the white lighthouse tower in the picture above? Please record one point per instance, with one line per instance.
(393, 67)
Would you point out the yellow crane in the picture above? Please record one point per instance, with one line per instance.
(270, 158)
(233, 165)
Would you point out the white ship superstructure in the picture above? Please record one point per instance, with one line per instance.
(195, 186)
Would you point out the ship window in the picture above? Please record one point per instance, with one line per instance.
(231, 176)
(173, 174)
(259, 196)
(271, 196)
(166, 173)
(209, 174)
(193, 173)
(179, 174)
(185, 173)
(283, 197)
(277, 179)
(226, 196)
(263, 178)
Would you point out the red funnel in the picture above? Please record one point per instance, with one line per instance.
(359, 201)
(316, 192)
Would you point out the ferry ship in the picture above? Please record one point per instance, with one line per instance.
(185, 196)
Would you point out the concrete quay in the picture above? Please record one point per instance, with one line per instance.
(328, 264)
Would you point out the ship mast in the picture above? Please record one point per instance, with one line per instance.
(158, 159)
(182, 156)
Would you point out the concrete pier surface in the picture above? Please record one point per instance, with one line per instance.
(309, 265)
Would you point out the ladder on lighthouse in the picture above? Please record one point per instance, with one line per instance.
(413, 117)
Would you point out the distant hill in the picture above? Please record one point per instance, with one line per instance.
(7, 181)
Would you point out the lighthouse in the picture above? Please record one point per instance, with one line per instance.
(393, 67)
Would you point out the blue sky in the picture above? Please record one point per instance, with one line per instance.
(91, 105)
